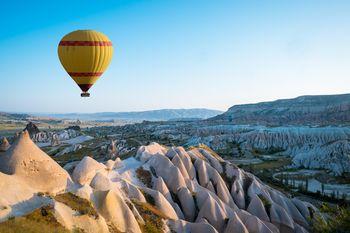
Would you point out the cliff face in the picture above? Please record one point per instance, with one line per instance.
(303, 110)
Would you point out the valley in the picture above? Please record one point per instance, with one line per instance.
(304, 161)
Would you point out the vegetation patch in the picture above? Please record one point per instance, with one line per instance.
(73, 156)
(145, 176)
(231, 149)
(176, 199)
(112, 228)
(40, 220)
(268, 165)
(269, 151)
(247, 181)
(132, 142)
(76, 203)
(337, 220)
(266, 203)
(128, 154)
(148, 198)
(152, 217)
(228, 181)
(212, 152)
(195, 202)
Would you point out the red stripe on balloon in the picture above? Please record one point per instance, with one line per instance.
(85, 87)
(85, 74)
(85, 43)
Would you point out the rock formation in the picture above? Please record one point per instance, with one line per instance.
(179, 191)
(112, 151)
(214, 205)
(55, 137)
(69, 149)
(30, 164)
(86, 170)
(55, 141)
(4, 145)
(31, 128)
(310, 147)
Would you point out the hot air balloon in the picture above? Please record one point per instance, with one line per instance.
(85, 55)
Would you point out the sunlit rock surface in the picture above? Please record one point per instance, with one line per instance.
(29, 163)
(183, 191)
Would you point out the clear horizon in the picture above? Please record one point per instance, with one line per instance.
(171, 55)
(151, 109)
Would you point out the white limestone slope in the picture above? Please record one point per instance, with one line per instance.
(29, 163)
(190, 191)
(220, 194)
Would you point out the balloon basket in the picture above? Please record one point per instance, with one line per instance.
(85, 94)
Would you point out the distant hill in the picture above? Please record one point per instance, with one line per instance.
(13, 116)
(303, 110)
(153, 115)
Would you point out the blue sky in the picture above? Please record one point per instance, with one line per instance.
(176, 53)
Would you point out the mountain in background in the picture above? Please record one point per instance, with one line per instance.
(304, 110)
(152, 115)
(13, 116)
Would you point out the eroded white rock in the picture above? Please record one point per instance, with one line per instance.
(86, 170)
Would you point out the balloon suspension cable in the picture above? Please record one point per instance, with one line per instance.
(85, 94)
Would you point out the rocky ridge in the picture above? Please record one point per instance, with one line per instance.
(303, 110)
(325, 147)
(170, 189)
(309, 147)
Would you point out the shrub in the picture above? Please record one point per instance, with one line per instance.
(152, 217)
(266, 203)
(145, 176)
(40, 220)
(76, 203)
(337, 220)
(148, 198)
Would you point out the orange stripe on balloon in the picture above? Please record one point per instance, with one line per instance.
(85, 74)
(85, 43)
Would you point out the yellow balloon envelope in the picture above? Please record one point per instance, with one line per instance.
(85, 55)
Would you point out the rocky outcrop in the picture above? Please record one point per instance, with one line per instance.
(247, 205)
(112, 151)
(168, 171)
(72, 220)
(313, 130)
(114, 209)
(191, 191)
(17, 197)
(309, 147)
(4, 145)
(13, 190)
(30, 164)
(181, 226)
(146, 152)
(86, 170)
(101, 182)
(235, 224)
(54, 137)
(55, 141)
(31, 128)
(161, 203)
(69, 149)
